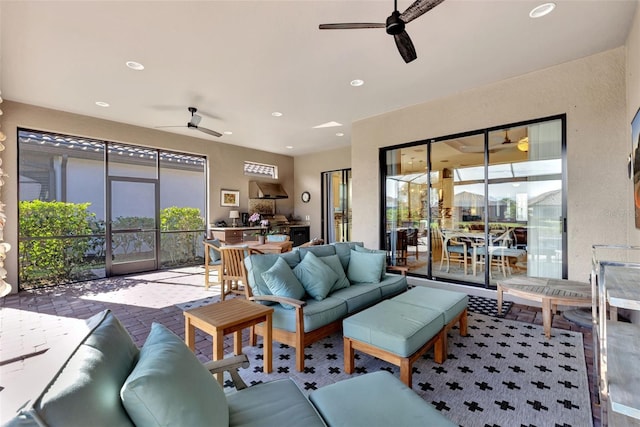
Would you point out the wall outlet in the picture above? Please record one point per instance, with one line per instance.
(307, 218)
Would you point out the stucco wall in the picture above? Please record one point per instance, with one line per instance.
(633, 93)
(591, 91)
(308, 170)
(225, 161)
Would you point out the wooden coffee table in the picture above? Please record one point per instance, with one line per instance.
(225, 317)
(550, 292)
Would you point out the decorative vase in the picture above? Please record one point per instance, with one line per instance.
(261, 240)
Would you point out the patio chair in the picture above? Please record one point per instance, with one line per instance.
(455, 248)
(234, 273)
(212, 261)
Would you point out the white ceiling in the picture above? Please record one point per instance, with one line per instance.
(238, 61)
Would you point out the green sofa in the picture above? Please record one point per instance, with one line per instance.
(108, 381)
(313, 288)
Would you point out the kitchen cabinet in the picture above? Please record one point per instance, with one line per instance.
(232, 235)
(299, 234)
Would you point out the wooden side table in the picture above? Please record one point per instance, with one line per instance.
(225, 317)
(549, 292)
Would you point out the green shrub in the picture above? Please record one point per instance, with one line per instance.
(180, 248)
(48, 252)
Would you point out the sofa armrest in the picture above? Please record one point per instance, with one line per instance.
(291, 301)
(231, 365)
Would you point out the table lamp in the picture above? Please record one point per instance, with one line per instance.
(234, 215)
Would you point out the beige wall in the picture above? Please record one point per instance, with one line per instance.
(591, 92)
(225, 161)
(307, 178)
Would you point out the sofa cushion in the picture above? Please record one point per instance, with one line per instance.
(316, 314)
(259, 263)
(366, 267)
(85, 390)
(333, 261)
(392, 284)
(169, 386)
(316, 277)
(359, 296)
(395, 403)
(343, 250)
(375, 251)
(276, 403)
(282, 281)
(320, 250)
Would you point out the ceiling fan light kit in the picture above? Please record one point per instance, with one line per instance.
(395, 25)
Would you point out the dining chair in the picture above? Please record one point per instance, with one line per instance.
(496, 251)
(455, 248)
(234, 273)
(212, 261)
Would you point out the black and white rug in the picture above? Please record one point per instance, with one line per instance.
(504, 373)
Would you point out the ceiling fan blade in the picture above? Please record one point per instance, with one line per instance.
(350, 26)
(418, 8)
(208, 131)
(405, 47)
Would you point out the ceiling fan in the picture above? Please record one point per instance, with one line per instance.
(194, 123)
(395, 25)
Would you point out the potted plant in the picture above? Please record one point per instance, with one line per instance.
(264, 230)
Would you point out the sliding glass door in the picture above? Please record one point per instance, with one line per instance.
(336, 206)
(478, 207)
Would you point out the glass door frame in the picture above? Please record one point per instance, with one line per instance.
(485, 132)
(327, 220)
(115, 269)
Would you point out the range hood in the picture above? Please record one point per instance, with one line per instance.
(266, 190)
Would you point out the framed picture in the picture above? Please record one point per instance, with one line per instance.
(635, 154)
(229, 198)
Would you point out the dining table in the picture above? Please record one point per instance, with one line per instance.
(270, 247)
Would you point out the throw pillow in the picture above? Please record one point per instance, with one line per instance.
(316, 277)
(213, 254)
(366, 267)
(334, 262)
(169, 386)
(375, 251)
(282, 282)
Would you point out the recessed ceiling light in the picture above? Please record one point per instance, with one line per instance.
(135, 65)
(228, 132)
(276, 114)
(357, 82)
(289, 147)
(102, 104)
(339, 134)
(542, 10)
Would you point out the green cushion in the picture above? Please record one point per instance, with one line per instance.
(394, 326)
(449, 303)
(213, 254)
(334, 262)
(85, 390)
(282, 282)
(316, 277)
(170, 387)
(375, 251)
(395, 404)
(343, 250)
(259, 263)
(366, 267)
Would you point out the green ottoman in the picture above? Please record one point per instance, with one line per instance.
(396, 332)
(375, 400)
(452, 305)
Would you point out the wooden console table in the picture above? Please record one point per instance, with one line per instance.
(549, 292)
(225, 317)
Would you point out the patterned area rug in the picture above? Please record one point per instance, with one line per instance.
(505, 373)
